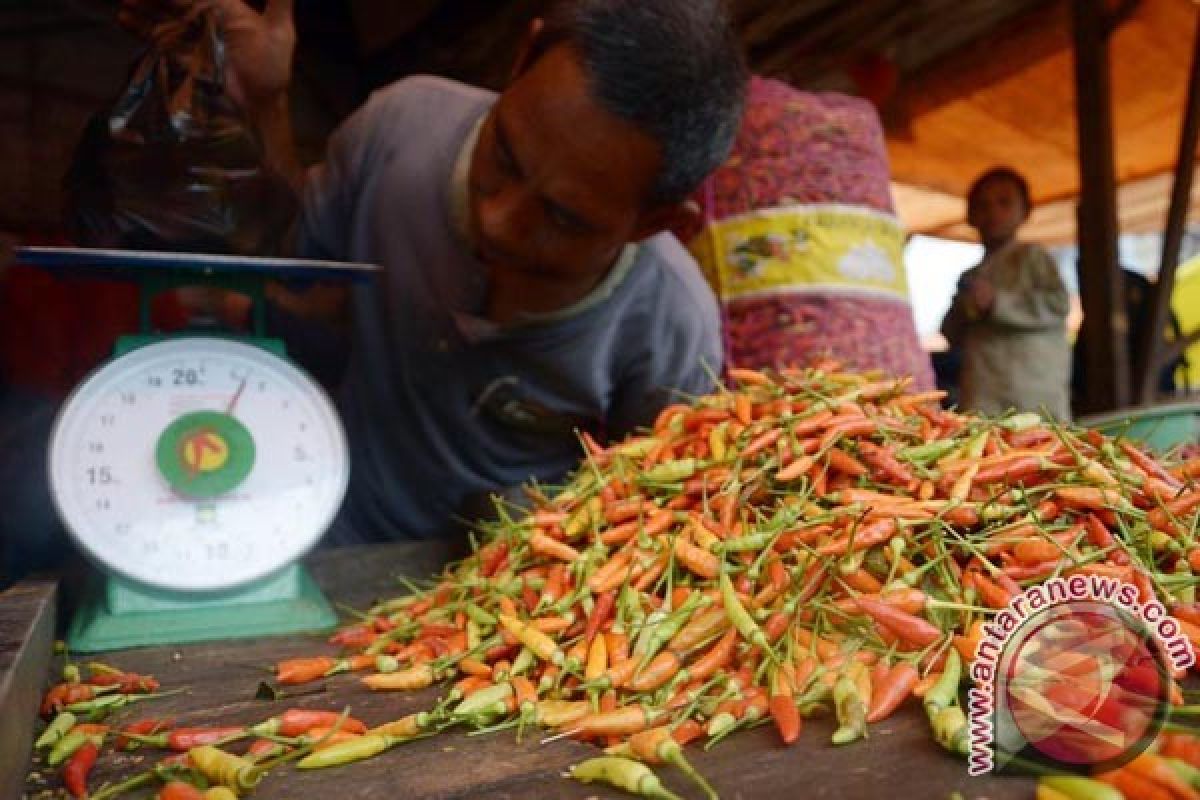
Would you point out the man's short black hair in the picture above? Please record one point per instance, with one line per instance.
(674, 68)
(1001, 174)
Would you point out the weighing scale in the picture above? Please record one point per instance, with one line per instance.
(196, 469)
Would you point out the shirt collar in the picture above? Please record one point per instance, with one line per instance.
(459, 214)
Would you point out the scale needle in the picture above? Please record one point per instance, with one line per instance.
(233, 401)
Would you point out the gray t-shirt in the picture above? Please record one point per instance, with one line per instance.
(440, 405)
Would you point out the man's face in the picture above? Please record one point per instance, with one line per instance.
(557, 183)
(997, 210)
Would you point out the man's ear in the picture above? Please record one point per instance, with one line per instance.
(683, 216)
(527, 49)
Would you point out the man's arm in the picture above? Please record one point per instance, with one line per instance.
(274, 125)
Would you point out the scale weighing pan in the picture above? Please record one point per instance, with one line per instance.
(133, 263)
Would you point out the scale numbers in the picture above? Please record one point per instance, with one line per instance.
(197, 464)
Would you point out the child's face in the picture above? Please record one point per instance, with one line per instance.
(997, 211)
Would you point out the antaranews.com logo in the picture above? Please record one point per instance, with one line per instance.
(1076, 672)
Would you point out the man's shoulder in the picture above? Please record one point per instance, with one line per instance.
(670, 269)
(671, 294)
(420, 93)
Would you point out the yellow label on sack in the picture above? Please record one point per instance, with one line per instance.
(820, 246)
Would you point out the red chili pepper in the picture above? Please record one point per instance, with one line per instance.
(885, 464)
(64, 694)
(261, 749)
(1009, 471)
(1189, 612)
(1144, 585)
(296, 721)
(497, 552)
(178, 790)
(777, 573)
(1024, 572)
(687, 731)
(355, 636)
(911, 628)
(991, 593)
(529, 595)
(175, 760)
(184, 739)
(75, 773)
(786, 717)
(127, 682)
(145, 727)
(776, 624)
(601, 611)
(303, 670)
(887, 694)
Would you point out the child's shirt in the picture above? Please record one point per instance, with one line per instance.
(1015, 355)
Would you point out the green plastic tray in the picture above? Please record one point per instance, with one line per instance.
(1160, 427)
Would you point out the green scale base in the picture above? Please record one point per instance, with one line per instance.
(115, 614)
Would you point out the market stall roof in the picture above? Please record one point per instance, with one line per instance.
(962, 86)
(1013, 102)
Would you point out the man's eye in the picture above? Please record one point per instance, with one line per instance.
(565, 221)
(505, 159)
(560, 220)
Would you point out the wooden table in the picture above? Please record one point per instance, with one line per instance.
(898, 760)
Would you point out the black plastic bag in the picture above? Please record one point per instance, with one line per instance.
(174, 164)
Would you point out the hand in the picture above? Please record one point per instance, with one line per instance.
(259, 45)
(983, 294)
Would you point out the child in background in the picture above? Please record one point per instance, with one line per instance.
(1009, 315)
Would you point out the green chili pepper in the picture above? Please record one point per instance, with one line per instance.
(750, 542)
(851, 710)
(720, 725)
(104, 702)
(629, 607)
(56, 730)
(65, 747)
(927, 452)
(351, 750)
(483, 700)
(1186, 592)
(671, 471)
(944, 693)
(623, 773)
(1079, 788)
(742, 620)
(654, 638)
(637, 448)
(1186, 772)
(584, 518)
(950, 730)
(523, 662)
(1019, 422)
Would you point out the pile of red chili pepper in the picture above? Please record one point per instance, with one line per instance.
(804, 542)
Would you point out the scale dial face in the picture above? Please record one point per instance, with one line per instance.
(197, 464)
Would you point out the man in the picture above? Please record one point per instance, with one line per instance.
(527, 289)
